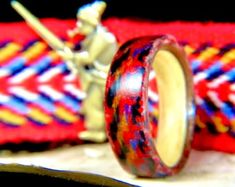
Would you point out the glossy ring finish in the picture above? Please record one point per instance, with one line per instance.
(126, 106)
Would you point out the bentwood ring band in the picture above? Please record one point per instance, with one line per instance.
(126, 110)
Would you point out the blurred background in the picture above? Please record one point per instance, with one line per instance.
(147, 9)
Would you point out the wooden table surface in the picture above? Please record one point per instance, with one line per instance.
(203, 168)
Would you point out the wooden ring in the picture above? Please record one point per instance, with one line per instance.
(126, 109)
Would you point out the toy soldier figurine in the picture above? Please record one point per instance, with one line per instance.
(91, 62)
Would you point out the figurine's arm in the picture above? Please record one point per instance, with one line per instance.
(73, 32)
(100, 41)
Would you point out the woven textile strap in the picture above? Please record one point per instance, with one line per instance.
(40, 99)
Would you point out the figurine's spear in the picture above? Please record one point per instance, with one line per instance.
(52, 40)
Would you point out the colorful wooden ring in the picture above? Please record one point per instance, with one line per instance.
(126, 111)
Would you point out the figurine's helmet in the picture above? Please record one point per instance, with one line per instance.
(91, 13)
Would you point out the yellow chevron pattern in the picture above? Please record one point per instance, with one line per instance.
(12, 118)
(219, 125)
(8, 51)
(34, 50)
(65, 114)
(228, 57)
(208, 53)
(39, 116)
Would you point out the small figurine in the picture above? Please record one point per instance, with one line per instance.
(91, 62)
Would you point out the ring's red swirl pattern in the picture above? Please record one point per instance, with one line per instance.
(128, 127)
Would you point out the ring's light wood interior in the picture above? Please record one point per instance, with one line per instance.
(172, 126)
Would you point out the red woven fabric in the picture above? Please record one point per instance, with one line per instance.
(197, 36)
